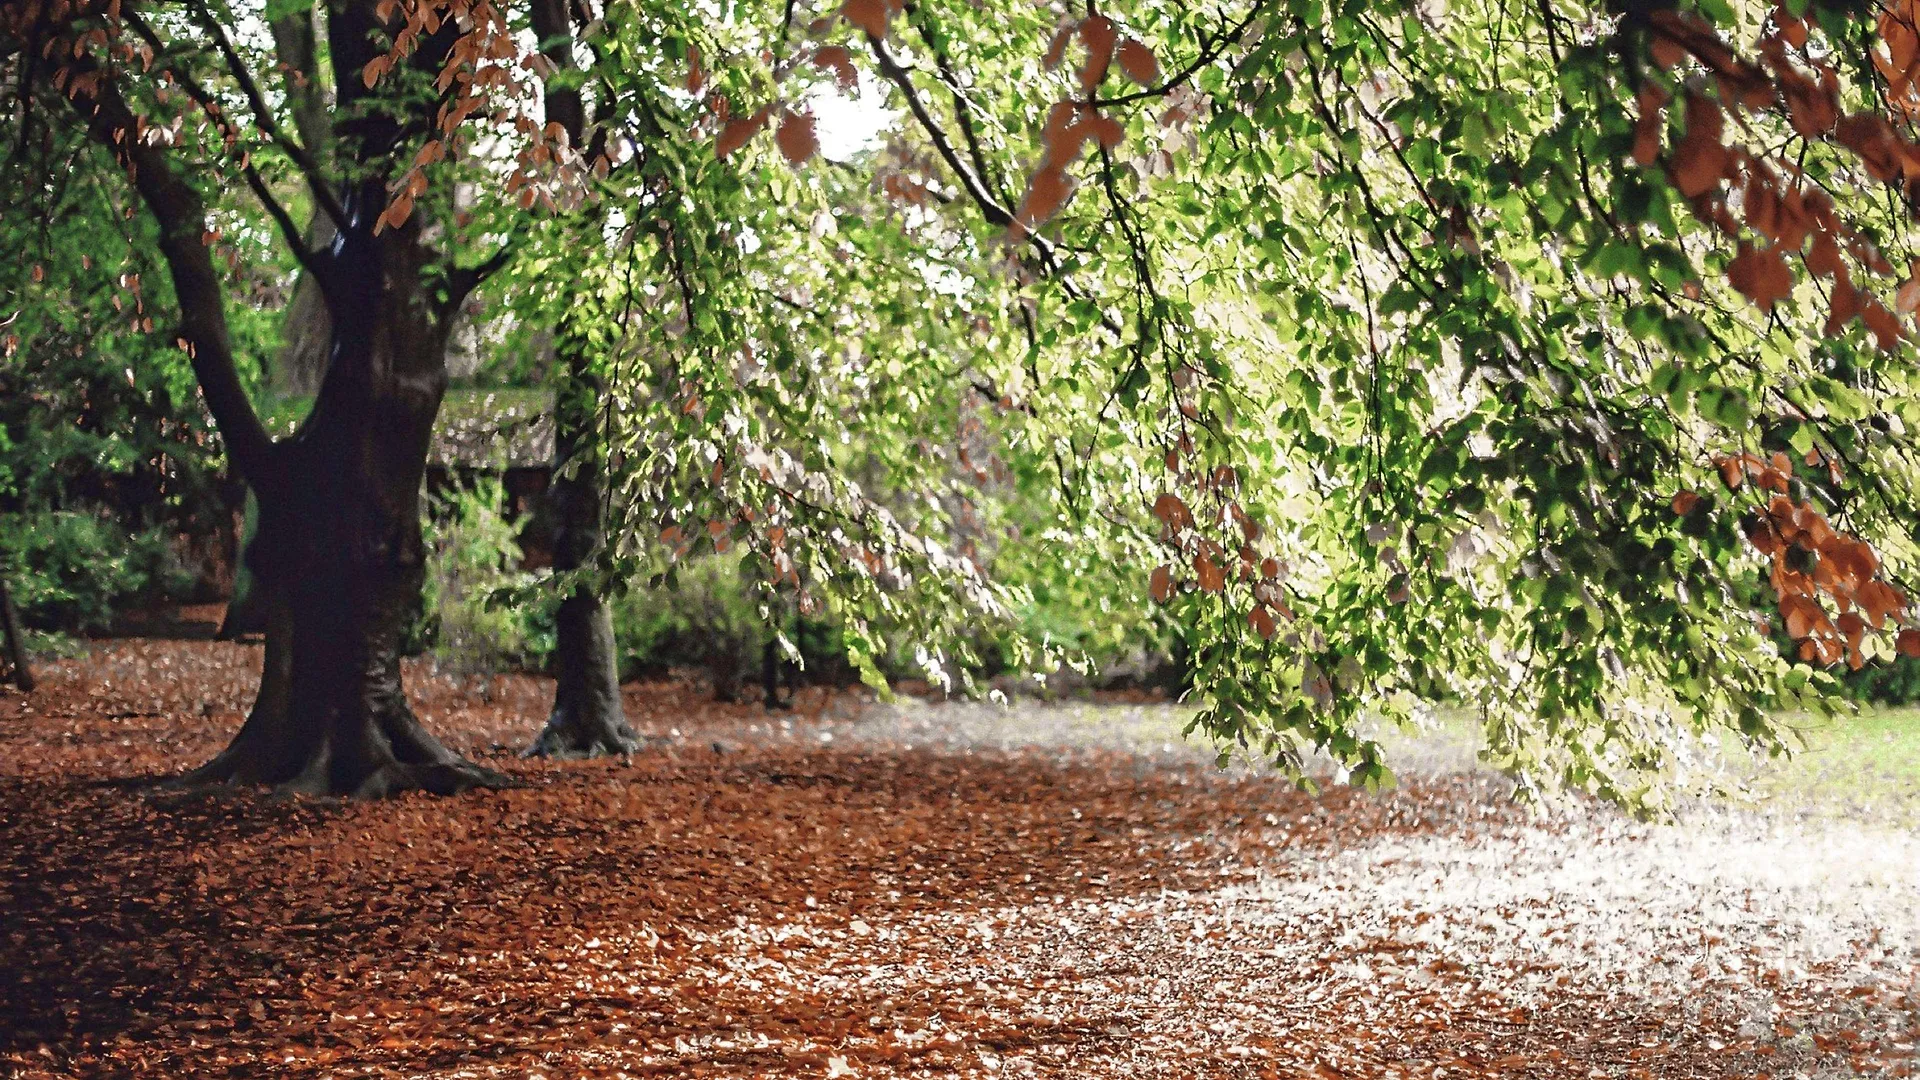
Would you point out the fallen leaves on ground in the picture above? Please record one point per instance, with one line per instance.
(852, 891)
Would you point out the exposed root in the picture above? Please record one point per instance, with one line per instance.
(566, 737)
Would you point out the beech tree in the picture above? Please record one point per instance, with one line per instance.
(1550, 359)
(174, 99)
(1402, 355)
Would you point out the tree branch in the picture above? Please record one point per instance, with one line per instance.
(263, 116)
(1208, 54)
(976, 188)
(284, 221)
(177, 208)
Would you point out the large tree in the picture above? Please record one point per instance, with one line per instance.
(171, 95)
(1399, 353)
(1402, 354)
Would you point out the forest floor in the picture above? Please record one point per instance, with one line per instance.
(855, 890)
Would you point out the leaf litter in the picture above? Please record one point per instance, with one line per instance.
(858, 890)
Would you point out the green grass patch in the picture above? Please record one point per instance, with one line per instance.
(1864, 765)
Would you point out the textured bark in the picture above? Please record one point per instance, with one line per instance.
(588, 719)
(307, 330)
(338, 549)
(338, 554)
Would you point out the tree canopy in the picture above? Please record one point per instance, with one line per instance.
(1552, 359)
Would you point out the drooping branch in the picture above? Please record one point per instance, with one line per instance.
(1215, 47)
(963, 108)
(990, 208)
(296, 240)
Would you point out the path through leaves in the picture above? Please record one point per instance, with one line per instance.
(860, 891)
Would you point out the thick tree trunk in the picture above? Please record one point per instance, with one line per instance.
(338, 552)
(587, 719)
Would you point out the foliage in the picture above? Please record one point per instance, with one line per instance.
(1419, 349)
(1395, 352)
(468, 619)
(72, 572)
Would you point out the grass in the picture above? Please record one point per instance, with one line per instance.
(1864, 765)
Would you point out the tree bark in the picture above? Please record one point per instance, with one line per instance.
(338, 550)
(588, 719)
(338, 553)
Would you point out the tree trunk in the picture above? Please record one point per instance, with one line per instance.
(307, 331)
(338, 552)
(588, 719)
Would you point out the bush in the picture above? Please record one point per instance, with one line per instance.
(480, 611)
(708, 616)
(71, 571)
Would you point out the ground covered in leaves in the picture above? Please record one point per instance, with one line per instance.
(858, 890)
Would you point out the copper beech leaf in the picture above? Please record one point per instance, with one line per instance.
(796, 137)
(1137, 62)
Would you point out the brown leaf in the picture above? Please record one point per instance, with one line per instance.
(870, 16)
(1761, 275)
(1823, 258)
(1684, 502)
(1160, 583)
(736, 134)
(1887, 332)
(1172, 509)
(1212, 578)
(1846, 304)
(796, 137)
(1261, 619)
(1105, 130)
(1908, 643)
(1700, 159)
(1057, 48)
(1137, 62)
(1047, 192)
(1647, 129)
(1098, 34)
(1666, 52)
(696, 75)
(836, 59)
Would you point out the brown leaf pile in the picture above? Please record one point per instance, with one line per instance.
(753, 895)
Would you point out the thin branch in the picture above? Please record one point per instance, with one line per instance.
(462, 281)
(177, 208)
(296, 240)
(316, 179)
(1210, 52)
(976, 188)
(962, 107)
(323, 195)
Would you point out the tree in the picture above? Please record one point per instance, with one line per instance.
(1411, 346)
(1397, 354)
(587, 718)
(338, 550)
